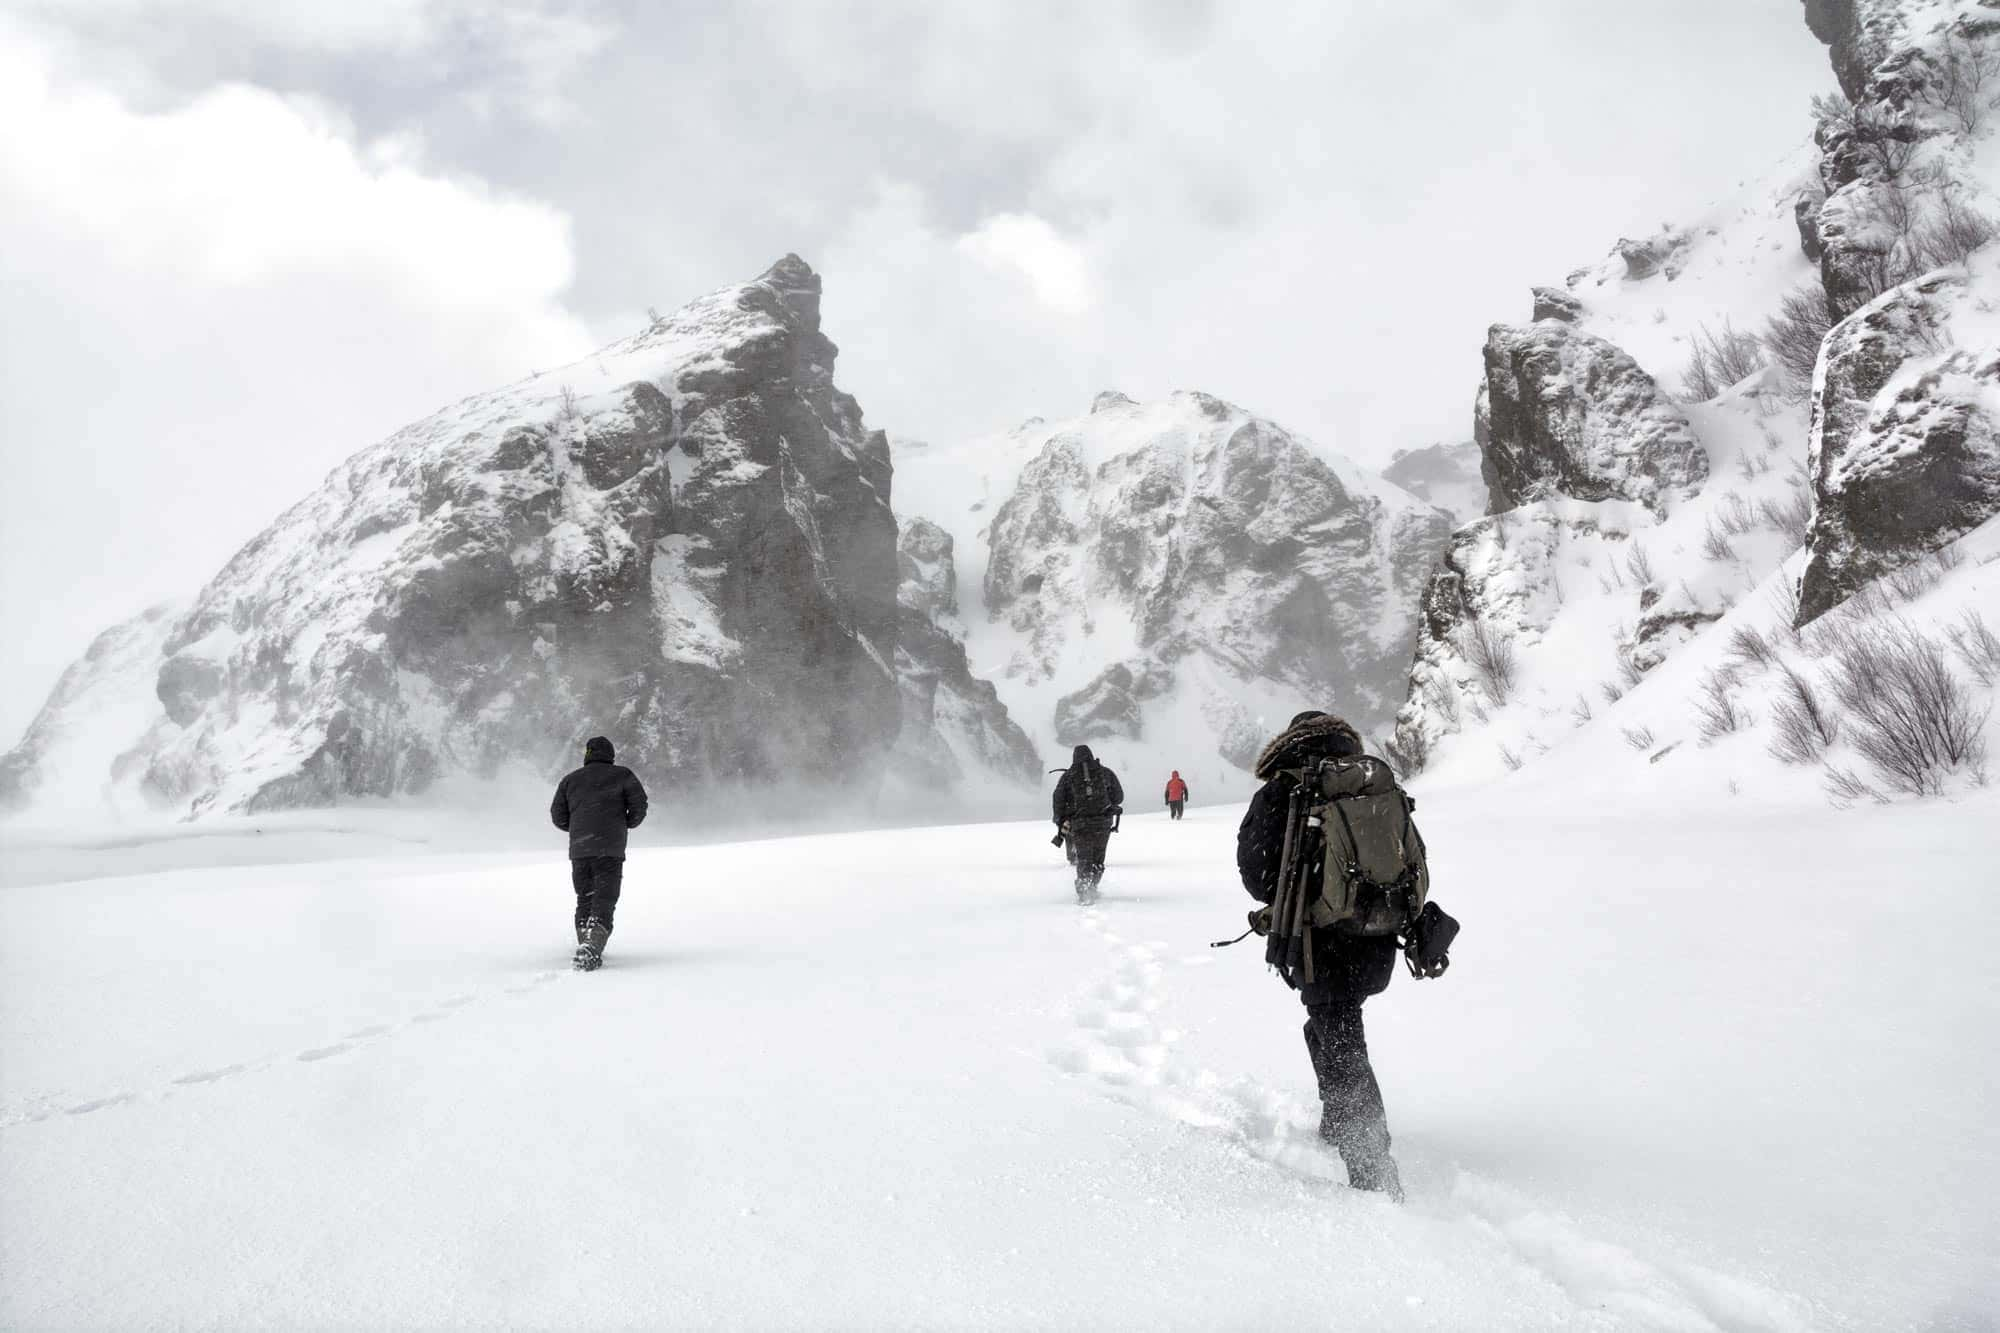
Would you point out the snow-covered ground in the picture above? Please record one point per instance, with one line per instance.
(1702, 1065)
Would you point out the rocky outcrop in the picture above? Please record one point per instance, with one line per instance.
(684, 542)
(927, 574)
(955, 730)
(1563, 412)
(1445, 475)
(1557, 304)
(1112, 704)
(1904, 438)
(1218, 561)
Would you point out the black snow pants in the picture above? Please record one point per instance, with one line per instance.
(1090, 844)
(597, 880)
(1175, 807)
(1351, 1116)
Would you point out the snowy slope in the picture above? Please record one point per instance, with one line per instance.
(1887, 450)
(1169, 581)
(911, 1085)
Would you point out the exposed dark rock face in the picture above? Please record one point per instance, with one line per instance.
(1905, 439)
(683, 542)
(1806, 211)
(1563, 412)
(1555, 303)
(955, 729)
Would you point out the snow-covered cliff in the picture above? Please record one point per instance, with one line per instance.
(684, 542)
(1168, 581)
(1724, 431)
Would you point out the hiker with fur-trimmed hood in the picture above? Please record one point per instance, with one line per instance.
(1088, 802)
(1345, 968)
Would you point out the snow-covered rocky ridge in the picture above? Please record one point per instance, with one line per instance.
(684, 541)
(1169, 581)
(1721, 433)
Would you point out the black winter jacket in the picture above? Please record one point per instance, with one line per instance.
(1088, 790)
(597, 803)
(1346, 968)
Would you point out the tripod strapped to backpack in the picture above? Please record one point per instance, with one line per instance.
(1352, 862)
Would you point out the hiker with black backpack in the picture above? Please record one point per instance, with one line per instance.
(1088, 804)
(1329, 847)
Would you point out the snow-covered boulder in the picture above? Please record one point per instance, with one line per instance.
(1905, 433)
(1564, 412)
(683, 542)
(1184, 575)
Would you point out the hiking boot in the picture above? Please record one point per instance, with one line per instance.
(1377, 1174)
(590, 939)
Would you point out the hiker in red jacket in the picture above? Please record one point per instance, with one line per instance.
(1177, 794)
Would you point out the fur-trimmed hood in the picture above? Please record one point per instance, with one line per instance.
(1310, 736)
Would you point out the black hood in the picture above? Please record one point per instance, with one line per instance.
(597, 750)
(1081, 755)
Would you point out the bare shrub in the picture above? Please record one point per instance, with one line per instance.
(1715, 543)
(1906, 583)
(1491, 653)
(1629, 672)
(1639, 564)
(568, 409)
(1805, 724)
(1511, 759)
(1792, 337)
(1734, 515)
(1611, 691)
(1952, 235)
(1579, 711)
(1639, 738)
(1977, 646)
(1716, 711)
(1785, 600)
(1911, 717)
(1750, 648)
(1791, 516)
(1752, 466)
(1964, 82)
(1844, 788)
(1716, 360)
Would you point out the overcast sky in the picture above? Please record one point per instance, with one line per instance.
(240, 241)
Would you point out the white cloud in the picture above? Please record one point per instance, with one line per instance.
(209, 306)
(1025, 244)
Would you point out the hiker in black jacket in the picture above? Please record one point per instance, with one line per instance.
(1088, 802)
(596, 805)
(1347, 969)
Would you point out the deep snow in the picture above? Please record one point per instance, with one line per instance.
(1708, 1065)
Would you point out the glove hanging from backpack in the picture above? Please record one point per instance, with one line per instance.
(1428, 948)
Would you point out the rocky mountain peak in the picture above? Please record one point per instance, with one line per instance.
(683, 541)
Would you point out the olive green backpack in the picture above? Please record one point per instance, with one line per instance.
(1374, 878)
